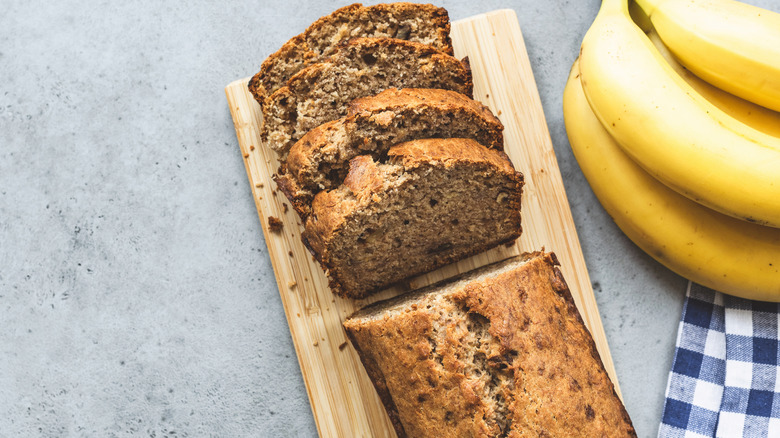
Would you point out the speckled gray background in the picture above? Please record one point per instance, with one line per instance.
(136, 293)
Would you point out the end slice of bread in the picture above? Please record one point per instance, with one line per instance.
(435, 201)
(361, 67)
(501, 351)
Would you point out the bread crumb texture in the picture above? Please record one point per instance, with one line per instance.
(275, 224)
(433, 202)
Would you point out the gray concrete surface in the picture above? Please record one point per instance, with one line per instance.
(136, 293)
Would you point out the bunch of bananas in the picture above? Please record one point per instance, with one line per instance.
(671, 113)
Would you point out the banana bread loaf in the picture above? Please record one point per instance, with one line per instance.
(434, 201)
(360, 67)
(499, 352)
(320, 160)
(420, 23)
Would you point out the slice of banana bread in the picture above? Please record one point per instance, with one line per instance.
(500, 352)
(424, 24)
(320, 160)
(361, 67)
(434, 201)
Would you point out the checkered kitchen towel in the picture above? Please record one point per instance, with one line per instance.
(725, 379)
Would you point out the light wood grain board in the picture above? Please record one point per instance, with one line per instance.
(342, 397)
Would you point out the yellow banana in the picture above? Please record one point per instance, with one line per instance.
(756, 116)
(718, 251)
(670, 130)
(732, 45)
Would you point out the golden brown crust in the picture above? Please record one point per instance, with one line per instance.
(304, 49)
(501, 352)
(448, 153)
(378, 379)
(394, 99)
(367, 184)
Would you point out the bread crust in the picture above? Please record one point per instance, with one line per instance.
(366, 183)
(536, 345)
(378, 380)
(450, 152)
(302, 49)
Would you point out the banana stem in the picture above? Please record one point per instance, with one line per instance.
(609, 7)
(649, 6)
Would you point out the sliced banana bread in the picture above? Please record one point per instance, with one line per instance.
(320, 160)
(360, 67)
(425, 24)
(500, 352)
(434, 201)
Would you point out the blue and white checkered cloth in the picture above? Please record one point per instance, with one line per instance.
(725, 379)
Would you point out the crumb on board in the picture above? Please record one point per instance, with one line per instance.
(316, 343)
(275, 224)
(343, 346)
(273, 192)
(290, 253)
(259, 185)
(291, 284)
(284, 207)
(246, 155)
(499, 112)
(251, 147)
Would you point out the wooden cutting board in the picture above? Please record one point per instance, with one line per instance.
(342, 397)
